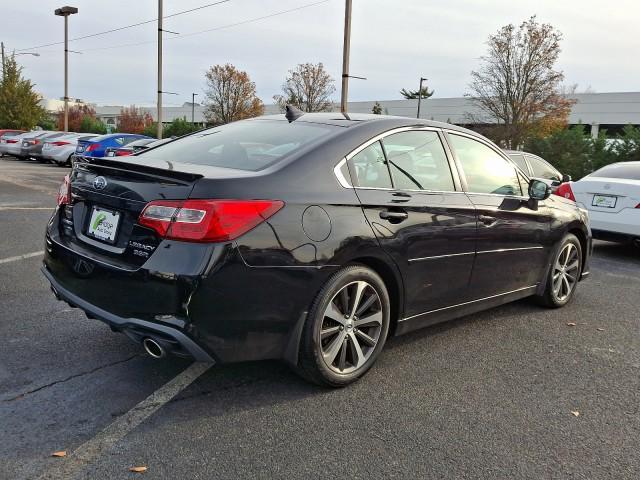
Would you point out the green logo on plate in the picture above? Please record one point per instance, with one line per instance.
(99, 219)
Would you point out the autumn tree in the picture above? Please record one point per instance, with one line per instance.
(308, 87)
(19, 103)
(77, 114)
(413, 94)
(230, 95)
(133, 120)
(517, 84)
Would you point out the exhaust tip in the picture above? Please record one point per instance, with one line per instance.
(153, 348)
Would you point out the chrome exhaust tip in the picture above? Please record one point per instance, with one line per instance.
(153, 348)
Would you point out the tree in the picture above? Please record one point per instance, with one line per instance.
(517, 84)
(230, 95)
(377, 108)
(308, 87)
(179, 127)
(413, 94)
(91, 124)
(19, 104)
(133, 120)
(77, 114)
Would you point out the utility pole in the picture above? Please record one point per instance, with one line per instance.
(193, 108)
(2, 48)
(159, 106)
(420, 95)
(345, 56)
(65, 12)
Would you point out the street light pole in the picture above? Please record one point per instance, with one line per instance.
(420, 96)
(193, 108)
(65, 12)
(159, 106)
(345, 56)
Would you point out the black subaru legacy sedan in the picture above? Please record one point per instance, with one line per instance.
(310, 239)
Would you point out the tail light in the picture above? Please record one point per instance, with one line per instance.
(123, 153)
(564, 190)
(12, 141)
(33, 141)
(64, 193)
(59, 143)
(206, 220)
(92, 147)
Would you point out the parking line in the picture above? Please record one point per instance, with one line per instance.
(86, 453)
(21, 257)
(26, 208)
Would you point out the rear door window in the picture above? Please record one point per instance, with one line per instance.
(370, 168)
(542, 169)
(417, 161)
(485, 170)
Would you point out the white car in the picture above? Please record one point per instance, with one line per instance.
(15, 146)
(612, 197)
(59, 150)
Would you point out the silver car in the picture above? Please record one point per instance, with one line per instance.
(60, 150)
(14, 148)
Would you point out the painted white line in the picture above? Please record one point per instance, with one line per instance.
(21, 257)
(86, 453)
(27, 208)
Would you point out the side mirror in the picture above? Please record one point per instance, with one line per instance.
(539, 189)
(566, 178)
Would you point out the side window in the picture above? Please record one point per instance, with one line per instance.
(542, 169)
(519, 160)
(417, 161)
(119, 140)
(369, 169)
(485, 170)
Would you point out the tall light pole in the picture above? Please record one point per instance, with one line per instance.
(420, 95)
(345, 56)
(193, 108)
(65, 12)
(159, 106)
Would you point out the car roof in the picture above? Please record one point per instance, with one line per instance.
(352, 119)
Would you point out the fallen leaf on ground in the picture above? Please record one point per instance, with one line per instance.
(600, 329)
(59, 454)
(575, 413)
(571, 324)
(138, 469)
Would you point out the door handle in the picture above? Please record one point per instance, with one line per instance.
(394, 217)
(487, 220)
(400, 197)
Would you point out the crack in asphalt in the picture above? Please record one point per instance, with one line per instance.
(71, 377)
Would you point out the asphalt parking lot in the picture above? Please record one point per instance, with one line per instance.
(514, 392)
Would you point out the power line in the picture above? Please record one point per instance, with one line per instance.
(126, 26)
(244, 22)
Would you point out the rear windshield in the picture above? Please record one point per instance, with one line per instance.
(250, 145)
(630, 171)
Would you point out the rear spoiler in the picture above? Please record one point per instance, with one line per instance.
(111, 166)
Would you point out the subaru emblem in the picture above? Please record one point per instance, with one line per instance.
(100, 183)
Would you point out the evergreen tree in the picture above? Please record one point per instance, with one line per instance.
(19, 103)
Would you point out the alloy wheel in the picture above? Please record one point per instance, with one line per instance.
(351, 327)
(565, 272)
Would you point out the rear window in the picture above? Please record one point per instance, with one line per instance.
(619, 170)
(250, 145)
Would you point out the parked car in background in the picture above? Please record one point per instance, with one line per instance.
(536, 167)
(32, 146)
(8, 136)
(135, 147)
(313, 248)
(14, 145)
(60, 150)
(97, 146)
(612, 197)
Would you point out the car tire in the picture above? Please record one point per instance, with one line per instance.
(563, 277)
(337, 348)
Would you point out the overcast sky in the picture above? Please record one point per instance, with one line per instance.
(393, 43)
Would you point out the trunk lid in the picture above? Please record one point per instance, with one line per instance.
(607, 195)
(107, 198)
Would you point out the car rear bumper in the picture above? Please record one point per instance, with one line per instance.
(626, 222)
(172, 339)
(614, 236)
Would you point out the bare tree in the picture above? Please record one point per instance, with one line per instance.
(517, 84)
(230, 95)
(308, 87)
